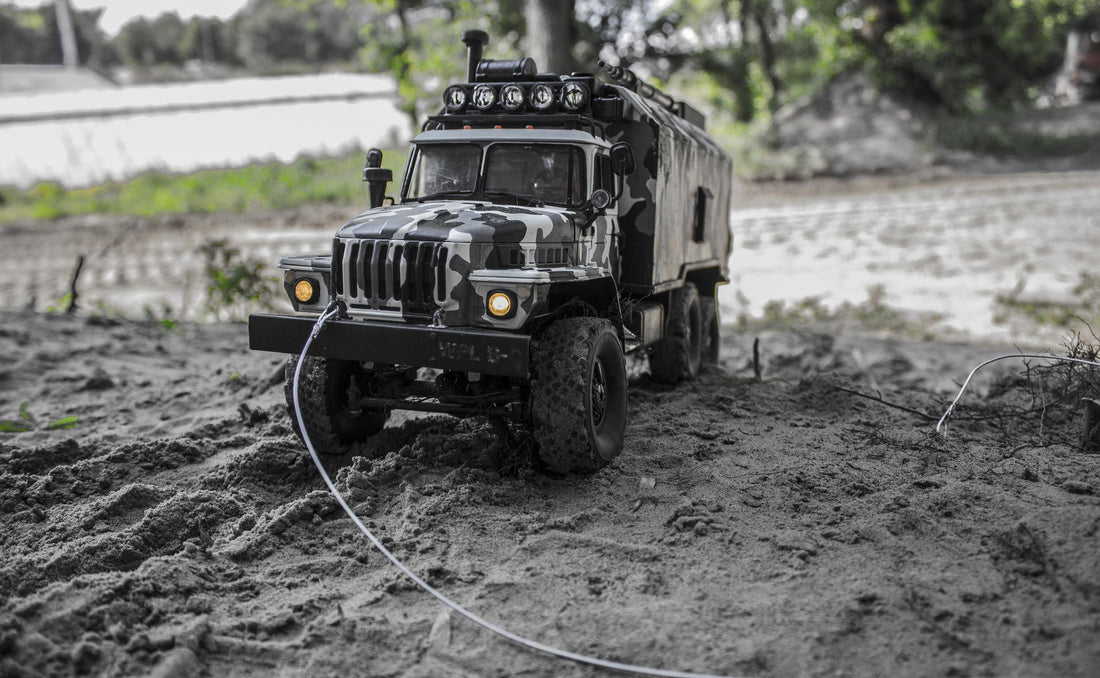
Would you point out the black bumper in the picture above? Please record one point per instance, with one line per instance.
(466, 350)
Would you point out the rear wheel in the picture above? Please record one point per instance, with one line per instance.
(328, 392)
(678, 356)
(712, 333)
(578, 395)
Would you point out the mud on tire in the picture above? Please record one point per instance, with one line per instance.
(323, 390)
(679, 355)
(578, 395)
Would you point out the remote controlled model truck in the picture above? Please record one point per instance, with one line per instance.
(546, 226)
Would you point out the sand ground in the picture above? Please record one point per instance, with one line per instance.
(780, 528)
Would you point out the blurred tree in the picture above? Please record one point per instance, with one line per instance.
(419, 42)
(204, 39)
(135, 43)
(751, 55)
(551, 34)
(31, 36)
(961, 55)
(730, 43)
(272, 32)
(167, 32)
(67, 32)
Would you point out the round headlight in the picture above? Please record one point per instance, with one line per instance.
(305, 291)
(455, 98)
(542, 97)
(511, 97)
(574, 96)
(500, 304)
(484, 97)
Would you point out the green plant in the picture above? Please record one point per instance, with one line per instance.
(61, 304)
(1083, 307)
(871, 315)
(164, 318)
(28, 422)
(234, 284)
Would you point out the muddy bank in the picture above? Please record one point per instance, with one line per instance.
(779, 528)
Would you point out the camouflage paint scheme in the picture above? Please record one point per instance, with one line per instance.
(478, 237)
(657, 209)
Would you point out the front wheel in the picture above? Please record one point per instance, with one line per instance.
(578, 395)
(327, 393)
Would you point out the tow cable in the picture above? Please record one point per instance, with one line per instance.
(332, 310)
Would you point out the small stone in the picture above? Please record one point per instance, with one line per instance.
(752, 502)
(84, 655)
(1077, 487)
(138, 642)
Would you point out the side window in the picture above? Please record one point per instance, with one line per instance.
(702, 198)
(604, 177)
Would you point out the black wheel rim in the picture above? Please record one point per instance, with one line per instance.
(598, 394)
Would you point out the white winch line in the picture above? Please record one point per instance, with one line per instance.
(942, 424)
(332, 310)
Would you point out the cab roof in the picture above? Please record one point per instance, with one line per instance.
(482, 135)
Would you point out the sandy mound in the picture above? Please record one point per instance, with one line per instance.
(787, 527)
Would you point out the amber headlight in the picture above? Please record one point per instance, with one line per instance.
(305, 291)
(501, 304)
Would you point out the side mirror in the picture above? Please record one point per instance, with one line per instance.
(376, 177)
(599, 200)
(622, 159)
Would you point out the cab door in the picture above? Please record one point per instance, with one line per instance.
(603, 238)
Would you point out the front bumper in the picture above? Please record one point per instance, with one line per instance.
(465, 350)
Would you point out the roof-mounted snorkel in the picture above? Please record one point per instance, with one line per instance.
(475, 41)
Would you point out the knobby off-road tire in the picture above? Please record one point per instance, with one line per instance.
(334, 428)
(1090, 432)
(678, 356)
(578, 395)
(712, 333)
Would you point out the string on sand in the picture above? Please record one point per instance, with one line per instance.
(331, 311)
(941, 426)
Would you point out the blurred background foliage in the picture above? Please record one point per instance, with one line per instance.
(740, 59)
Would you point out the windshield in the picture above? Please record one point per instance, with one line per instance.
(444, 168)
(553, 174)
(538, 173)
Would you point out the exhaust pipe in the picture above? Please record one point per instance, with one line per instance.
(475, 41)
(376, 177)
